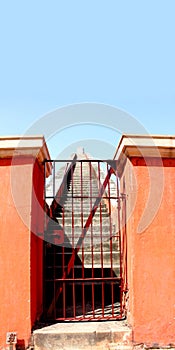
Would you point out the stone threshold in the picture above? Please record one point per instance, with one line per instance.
(83, 335)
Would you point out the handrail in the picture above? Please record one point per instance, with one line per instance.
(63, 187)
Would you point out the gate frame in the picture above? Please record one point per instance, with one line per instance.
(121, 213)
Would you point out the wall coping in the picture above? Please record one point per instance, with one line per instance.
(33, 146)
(147, 146)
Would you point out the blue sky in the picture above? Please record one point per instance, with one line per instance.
(56, 53)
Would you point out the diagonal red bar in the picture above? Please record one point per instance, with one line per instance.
(82, 236)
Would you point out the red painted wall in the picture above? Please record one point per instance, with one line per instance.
(21, 251)
(151, 255)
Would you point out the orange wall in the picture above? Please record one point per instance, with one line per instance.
(151, 257)
(17, 310)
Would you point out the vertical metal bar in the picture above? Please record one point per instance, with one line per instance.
(64, 300)
(53, 248)
(45, 195)
(92, 247)
(73, 244)
(120, 245)
(44, 280)
(125, 238)
(101, 242)
(53, 194)
(82, 224)
(54, 281)
(111, 243)
(44, 246)
(124, 254)
(63, 268)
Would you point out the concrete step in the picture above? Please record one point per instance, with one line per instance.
(115, 267)
(67, 222)
(87, 247)
(96, 233)
(83, 335)
(87, 187)
(86, 242)
(85, 182)
(97, 257)
(86, 211)
(85, 205)
(105, 246)
(76, 221)
(96, 229)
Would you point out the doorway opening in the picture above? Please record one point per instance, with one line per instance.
(85, 241)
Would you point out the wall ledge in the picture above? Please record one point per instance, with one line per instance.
(146, 146)
(33, 146)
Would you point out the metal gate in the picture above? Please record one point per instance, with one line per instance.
(85, 245)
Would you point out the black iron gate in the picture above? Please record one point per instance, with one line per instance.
(85, 244)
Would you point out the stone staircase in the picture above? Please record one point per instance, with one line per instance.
(100, 242)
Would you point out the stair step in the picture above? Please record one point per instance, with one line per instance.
(115, 268)
(96, 230)
(68, 222)
(77, 206)
(68, 209)
(97, 262)
(86, 213)
(83, 335)
(97, 255)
